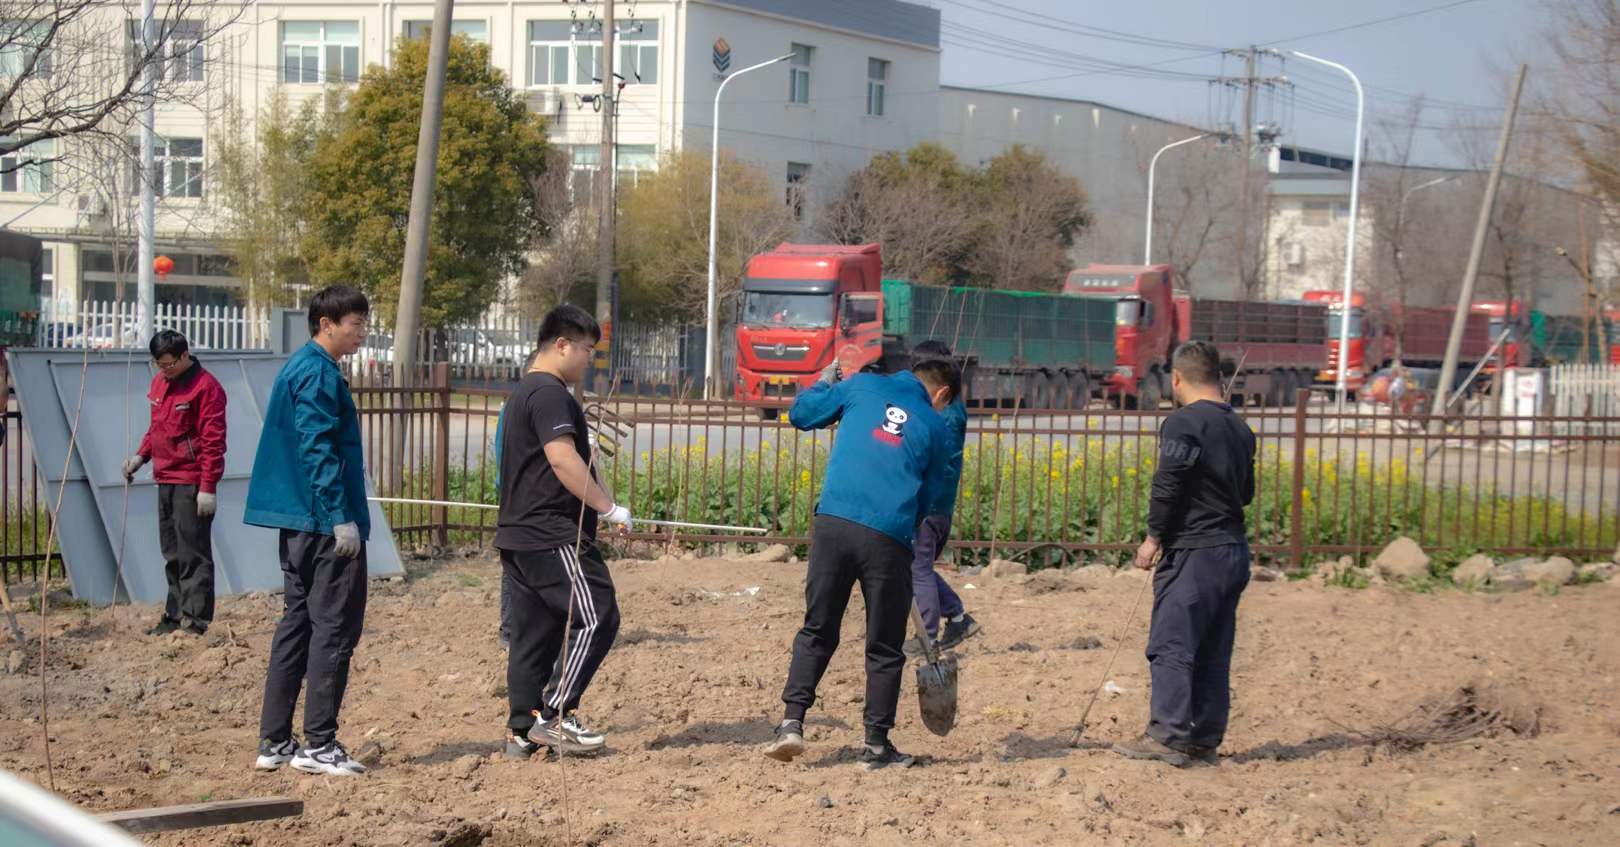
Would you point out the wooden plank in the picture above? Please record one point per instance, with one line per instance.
(196, 815)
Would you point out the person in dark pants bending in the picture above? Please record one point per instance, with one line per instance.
(887, 464)
(1197, 539)
(186, 445)
(309, 483)
(546, 535)
(935, 599)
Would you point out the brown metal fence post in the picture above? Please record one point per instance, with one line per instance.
(1296, 514)
(441, 452)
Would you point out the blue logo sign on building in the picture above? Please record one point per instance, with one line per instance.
(722, 55)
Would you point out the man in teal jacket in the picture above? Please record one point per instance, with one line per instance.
(935, 598)
(888, 462)
(309, 483)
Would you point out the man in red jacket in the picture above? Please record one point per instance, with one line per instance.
(186, 446)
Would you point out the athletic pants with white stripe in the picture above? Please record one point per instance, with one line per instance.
(538, 676)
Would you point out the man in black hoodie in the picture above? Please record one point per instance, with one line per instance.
(1197, 540)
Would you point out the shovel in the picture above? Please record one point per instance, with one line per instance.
(936, 682)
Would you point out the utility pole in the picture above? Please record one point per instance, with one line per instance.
(146, 289)
(1250, 82)
(606, 212)
(1465, 297)
(408, 317)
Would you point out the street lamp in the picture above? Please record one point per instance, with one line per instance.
(1350, 242)
(1147, 250)
(1400, 211)
(711, 351)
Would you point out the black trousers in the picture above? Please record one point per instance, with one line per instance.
(324, 612)
(1195, 600)
(188, 555)
(843, 553)
(538, 676)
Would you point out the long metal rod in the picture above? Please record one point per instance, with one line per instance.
(1147, 240)
(454, 504)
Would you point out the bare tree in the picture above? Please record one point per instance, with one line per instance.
(69, 68)
(1030, 215)
(1586, 98)
(564, 266)
(916, 206)
(1194, 207)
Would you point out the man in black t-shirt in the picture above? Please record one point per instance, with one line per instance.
(1198, 546)
(546, 534)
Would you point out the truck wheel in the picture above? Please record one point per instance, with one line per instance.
(1079, 391)
(1149, 393)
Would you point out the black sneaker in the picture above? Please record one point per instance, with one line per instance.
(789, 743)
(1205, 755)
(330, 759)
(164, 627)
(1149, 748)
(520, 747)
(957, 632)
(274, 754)
(568, 735)
(195, 628)
(873, 758)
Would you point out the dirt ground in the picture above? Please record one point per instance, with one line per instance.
(691, 692)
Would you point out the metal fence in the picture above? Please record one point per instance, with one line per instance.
(104, 325)
(1044, 485)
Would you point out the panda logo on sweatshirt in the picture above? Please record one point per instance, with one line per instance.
(894, 424)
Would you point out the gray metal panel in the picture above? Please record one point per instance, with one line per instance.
(289, 329)
(885, 18)
(114, 416)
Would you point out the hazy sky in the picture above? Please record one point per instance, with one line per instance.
(1457, 57)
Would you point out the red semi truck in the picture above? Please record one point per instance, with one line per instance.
(1374, 343)
(1281, 345)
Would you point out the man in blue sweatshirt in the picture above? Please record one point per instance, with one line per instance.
(309, 482)
(887, 464)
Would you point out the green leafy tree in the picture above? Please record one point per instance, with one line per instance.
(1030, 213)
(491, 152)
(663, 243)
(918, 205)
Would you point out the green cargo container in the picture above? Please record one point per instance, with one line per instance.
(1004, 329)
(21, 277)
(1557, 338)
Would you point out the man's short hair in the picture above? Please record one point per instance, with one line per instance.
(167, 342)
(336, 302)
(933, 348)
(940, 372)
(1198, 362)
(570, 322)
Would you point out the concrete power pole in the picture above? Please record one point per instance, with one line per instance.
(408, 317)
(145, 286)
(1248, 156)
(606, 212)
(1465, 297)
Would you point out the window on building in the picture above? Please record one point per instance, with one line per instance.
(179, 166)
(19, 42)
(634, 161)
(477, 31)
(1341, 212)
(47, 274)
(313, 52)
(638, 53)
(583, 161)
(30, 170)
(1316, 212)
(181, 52)
(798, 184)
(799, 74)
(877, 79)
(564, 53)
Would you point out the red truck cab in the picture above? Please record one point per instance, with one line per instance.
(1365, 338)
(1149, 320)
(1611, 319)
(803, 305)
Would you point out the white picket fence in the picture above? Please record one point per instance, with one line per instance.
(112, 325)
(1582, 390)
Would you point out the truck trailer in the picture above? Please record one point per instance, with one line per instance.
(1379, 336)
(805, 305)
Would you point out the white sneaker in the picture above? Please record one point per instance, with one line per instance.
(331, 759)
(568, 735)
(274, 754)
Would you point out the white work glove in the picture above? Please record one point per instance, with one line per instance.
(831, 374)
(619, 515)
(206, 504)
(348, 539)
(132, 465)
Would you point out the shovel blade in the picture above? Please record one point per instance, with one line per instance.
(936, 693)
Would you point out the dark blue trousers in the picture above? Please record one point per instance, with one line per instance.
(1195, 600)
(933, 595)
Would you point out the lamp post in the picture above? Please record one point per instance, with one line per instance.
(1147, 250)
(1350, 242)
(711, 352)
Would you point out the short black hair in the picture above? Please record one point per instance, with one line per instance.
(940, 372)
(336, 302)
(933, 348)
(169, 342)
(570, 322)
(1198, 362)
